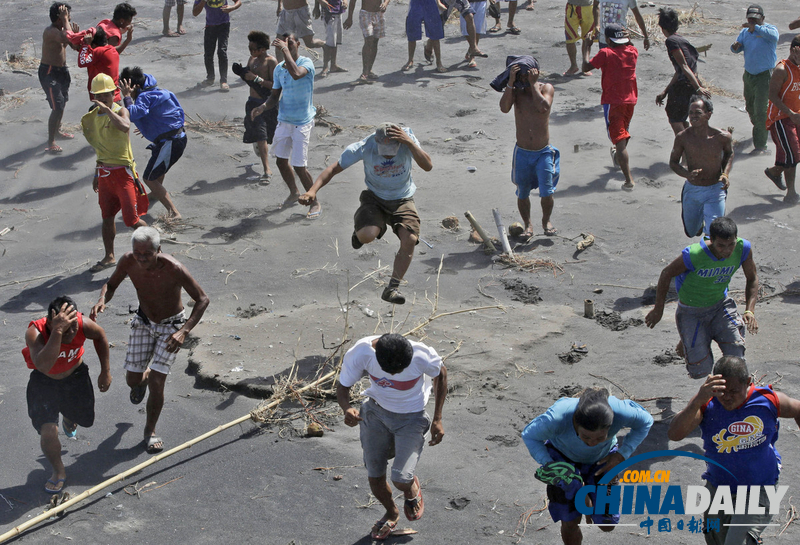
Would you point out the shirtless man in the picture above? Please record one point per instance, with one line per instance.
(373, 27)
(294, 17)
(709, 156)
(53, 71)
(536, 162)
(59, 382)
(160, 327)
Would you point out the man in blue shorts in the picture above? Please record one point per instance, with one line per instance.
(392, 420)
(426, 11)
(536, 162)
(159, 117)
(705, 310)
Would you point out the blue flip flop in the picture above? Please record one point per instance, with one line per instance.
(51, 481)
(67, 432)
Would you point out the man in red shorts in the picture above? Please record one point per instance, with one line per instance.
(106, 128)
(60, 382)
(783, 121)
(618, 64)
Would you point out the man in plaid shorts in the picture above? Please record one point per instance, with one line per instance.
(179, 10)
(159, 327)
(373, 27)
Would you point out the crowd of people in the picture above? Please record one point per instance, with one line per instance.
(575, 440)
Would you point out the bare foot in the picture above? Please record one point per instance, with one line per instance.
(429, 53)
(441, 69)
(587, 73)
(174, 216)
(169, 34)
(407, 66)
(573, 70)
(679, 349)
(290, 200)
(337, 68)
(314, 211)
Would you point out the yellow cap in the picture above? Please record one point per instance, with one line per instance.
(103, 83)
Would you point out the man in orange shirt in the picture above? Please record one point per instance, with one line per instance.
(60, 382)
(783, 121)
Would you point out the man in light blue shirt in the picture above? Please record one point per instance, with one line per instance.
(293, 94)
(389, 197)
(759, 44)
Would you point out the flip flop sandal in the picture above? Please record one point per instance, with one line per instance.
(514, 30)
(776, 180)
(55, 483)
(414, 508)
(69, 433)
(382, 529)
(150, 444)
(496, 28)
(137, 393)
(53, 149)
(65, 135)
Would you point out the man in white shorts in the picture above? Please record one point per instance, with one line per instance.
(393, 421)
(373, 27)
(293, 94)
(294, 17)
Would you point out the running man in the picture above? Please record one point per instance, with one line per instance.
(159, 327)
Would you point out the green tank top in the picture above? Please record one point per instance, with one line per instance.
(113, 147)
(705, 282)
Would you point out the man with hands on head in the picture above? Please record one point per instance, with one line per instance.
(392, 420)
(59, 382)
(705, 311)
(160, 327)
(389, 198)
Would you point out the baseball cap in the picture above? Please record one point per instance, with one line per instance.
(386, 146)
(616, 34)
(103, 83)
(755, 11)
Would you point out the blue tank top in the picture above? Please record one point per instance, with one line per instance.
(743, 440)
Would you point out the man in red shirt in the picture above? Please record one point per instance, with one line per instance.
(121, 21)
(60, 382)
(99, 57)
(618, 64)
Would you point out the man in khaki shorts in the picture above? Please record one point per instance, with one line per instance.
(389, 197)
(373, 27)
(294, 17)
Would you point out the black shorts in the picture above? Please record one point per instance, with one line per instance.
(678, 97)
(55, 81)
(262, 127)
(165, 154)
(72, 396)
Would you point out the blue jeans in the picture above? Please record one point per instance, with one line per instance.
(701, 203)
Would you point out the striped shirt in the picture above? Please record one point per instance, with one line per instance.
(297, 96)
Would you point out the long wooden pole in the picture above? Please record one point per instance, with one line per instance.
(105, 484)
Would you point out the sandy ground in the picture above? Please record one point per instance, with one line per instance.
(278, 281)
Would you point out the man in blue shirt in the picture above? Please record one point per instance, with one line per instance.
(293, 94)
(759, 44)
(389, 197)
(159, 117)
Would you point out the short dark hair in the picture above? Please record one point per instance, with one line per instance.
(707, 104)
(135, 74)
(795, 41)
(593, 411)
(259, 38)
(668, 20)
(100, 37)
(123, 11)
(55, 304)
(732, 367)
(393, 352)
(723, 227)
(54, 10)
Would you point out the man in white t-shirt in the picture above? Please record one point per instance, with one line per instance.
(608, 12)
(388, 155)
(393, 421)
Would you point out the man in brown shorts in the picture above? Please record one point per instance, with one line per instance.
(389, 197)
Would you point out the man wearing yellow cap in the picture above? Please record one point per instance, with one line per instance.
(106, 128)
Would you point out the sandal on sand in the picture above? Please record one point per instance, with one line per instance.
(55, 148)
(137, 393)
(776, 180)
(514, 30)
(65, 135)
(62, 482)
(71, 430)
(496, 28)
(551, 232)
(472, 64)
(100, 266)
(382, 529)
(414, 508)
(151, 442)
(627, 187)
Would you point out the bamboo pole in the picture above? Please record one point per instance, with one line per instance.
(487, 243)
(105, 484)
(501, 229)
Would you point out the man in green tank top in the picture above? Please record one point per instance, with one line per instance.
(705, 311)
